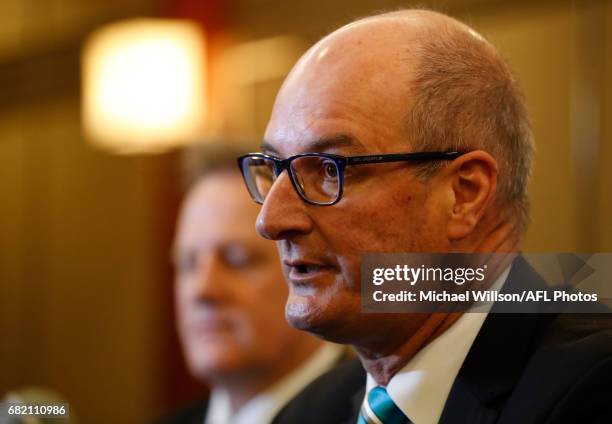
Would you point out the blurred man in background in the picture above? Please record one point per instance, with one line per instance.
(230, 299)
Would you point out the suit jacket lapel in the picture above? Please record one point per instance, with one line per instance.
(497, 358)
(357, 400)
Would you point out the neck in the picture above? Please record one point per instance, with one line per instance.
(499, 234)
(241, 389)
(501, 237)
(382, 367)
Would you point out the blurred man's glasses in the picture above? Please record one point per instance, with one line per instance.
(317, 177)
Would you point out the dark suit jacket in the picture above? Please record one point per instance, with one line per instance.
(521, 369)
(191, 414)
(196, 412)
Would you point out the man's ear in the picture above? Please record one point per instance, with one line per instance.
(473, 179)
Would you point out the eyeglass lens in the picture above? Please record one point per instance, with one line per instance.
(317, 178)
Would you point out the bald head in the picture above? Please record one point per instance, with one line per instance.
(411, 81)
(379, 46)
(423, 76)
(368, 62)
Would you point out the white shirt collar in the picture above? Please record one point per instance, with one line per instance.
(421, 388)
(264, 407)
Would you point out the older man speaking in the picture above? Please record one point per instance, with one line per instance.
(406, 132)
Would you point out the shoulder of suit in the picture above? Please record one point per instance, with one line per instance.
(570, 372)
(349, 375)
(580, 337)
(193, 413)
(328, 399)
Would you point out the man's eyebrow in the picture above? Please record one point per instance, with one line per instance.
(322, 144)
(267, 148)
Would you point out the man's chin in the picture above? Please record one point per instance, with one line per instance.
(215, 369)
(305, 313)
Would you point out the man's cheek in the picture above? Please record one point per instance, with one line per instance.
(350, 272)
(363, 229)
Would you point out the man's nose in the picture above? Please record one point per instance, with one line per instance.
(210, 284)
(284, 213)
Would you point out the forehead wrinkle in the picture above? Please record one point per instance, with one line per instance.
(321, 144)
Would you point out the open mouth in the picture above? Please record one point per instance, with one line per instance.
(210, 327)
(304, 269)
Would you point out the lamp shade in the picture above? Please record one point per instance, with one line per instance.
(144, 85)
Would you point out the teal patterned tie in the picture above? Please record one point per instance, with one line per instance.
(379, 408)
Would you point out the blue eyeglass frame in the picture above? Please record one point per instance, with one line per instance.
(341, 162)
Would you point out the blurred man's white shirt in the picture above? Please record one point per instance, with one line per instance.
(265, 406)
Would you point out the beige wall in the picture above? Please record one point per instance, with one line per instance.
(80, 251)
(79, 248)
(605, 185)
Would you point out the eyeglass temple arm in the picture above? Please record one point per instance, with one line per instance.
(399, 157)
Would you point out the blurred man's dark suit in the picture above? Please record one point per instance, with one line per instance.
(522, 368)
(192, 414)
(195, 413)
